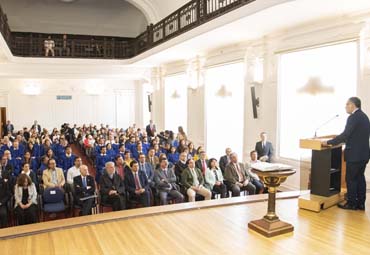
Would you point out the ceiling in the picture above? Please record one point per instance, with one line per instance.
(248, 23)
(92, 17)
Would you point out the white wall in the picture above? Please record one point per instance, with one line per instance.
(116, 106)
(269, 48)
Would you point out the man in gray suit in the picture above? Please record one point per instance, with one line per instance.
(237, 177)
(165, 181)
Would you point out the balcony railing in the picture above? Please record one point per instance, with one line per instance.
(189, 16)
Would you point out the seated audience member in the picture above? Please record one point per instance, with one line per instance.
(53, 177)
(29, 160)
(127, 158)
(197, 155)
(225, 160)
(50, 154)
(6, 167)
(202, 162)
(84, 187)
(214, 179)
(67, 160)
(25, 196)
(193, 181)
(152, 158)
(173, 156)
(27, 171)
(43, 165)
(147, 169)
(17, 151)
(49, 46)
(182, 146)
(237, 177)
(74, 170)
(192, 150)
(89, 145)
(101, 160)
(180, 166)
(120, 166)
(181, 131)
(112, 188)
(131, 144)
(157, 150)
(264, 149)
(255, 179)
(165, 181)
(163, 156)
(121, 150)
(110, 151)
(138, 150)
(5, 195)
(137, 185)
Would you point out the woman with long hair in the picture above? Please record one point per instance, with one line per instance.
(25, 196)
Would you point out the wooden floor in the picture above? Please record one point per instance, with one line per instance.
(216, 230)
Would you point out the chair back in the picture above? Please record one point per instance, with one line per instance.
(53, 195)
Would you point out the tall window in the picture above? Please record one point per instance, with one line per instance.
(176, 102)
(224, 90)
(314, 87)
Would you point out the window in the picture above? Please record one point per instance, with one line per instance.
(314, 87)
(224, 95)
(176, 102)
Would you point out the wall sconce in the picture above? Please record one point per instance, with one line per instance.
(175, 95)
(315, 86)
(32, 90)
(223, 92)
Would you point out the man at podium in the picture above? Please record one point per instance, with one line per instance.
(356, 154)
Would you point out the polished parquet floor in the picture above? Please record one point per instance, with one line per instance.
(219, 230)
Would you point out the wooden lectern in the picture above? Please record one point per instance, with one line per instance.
(326, 174)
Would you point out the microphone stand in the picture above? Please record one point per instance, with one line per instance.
(328, 121)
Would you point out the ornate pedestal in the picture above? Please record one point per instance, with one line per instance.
(270, 225)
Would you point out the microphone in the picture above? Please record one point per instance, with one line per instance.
(325, 123)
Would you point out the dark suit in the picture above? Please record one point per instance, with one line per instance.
(148, 170)
(150, 131)
(224, 160)
(166, 185)
(5, 195)
(267, 150)
(356, 136)
(179, 168)
(199, 165)
(107, 184)
(143, 198)
(80, 192)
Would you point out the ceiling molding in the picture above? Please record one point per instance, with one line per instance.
(148, 9)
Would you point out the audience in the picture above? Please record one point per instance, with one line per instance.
(163, 167)
(84, 190)
(112, 188)
(238, 178)
(25, 196)
(165, 181)
(193, 181)
(214, 179)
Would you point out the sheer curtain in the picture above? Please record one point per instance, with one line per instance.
(314, 87)
(176, 102)
(224, 95)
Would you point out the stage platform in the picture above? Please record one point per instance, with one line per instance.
(207, 227)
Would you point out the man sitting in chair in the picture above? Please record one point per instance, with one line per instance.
(264, 149)
(84, 189)
(112, 188)
(165, 181)
(137, 184)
